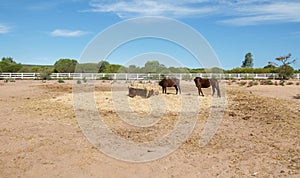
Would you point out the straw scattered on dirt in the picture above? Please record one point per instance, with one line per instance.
(40, 136)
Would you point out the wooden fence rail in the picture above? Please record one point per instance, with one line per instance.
(142, 76)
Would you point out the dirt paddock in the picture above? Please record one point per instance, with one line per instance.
(259, 135)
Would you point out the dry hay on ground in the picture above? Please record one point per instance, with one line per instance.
(258, 136)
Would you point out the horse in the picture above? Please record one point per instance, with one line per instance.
(173, 82)
(205, 83)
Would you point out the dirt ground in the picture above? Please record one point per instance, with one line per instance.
(259, 135)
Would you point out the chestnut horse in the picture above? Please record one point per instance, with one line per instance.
(205, 83)
(173, 82)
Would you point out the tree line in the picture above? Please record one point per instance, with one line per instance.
(65, 65)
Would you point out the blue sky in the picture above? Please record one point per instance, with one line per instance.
(41, 32)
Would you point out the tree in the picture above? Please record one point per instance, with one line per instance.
(7, 64)
(87, 68)
(285, 70)
(65, 65)
(248, 62)
(133, 69)
(112, 68)
(153, 67)
(103, 66)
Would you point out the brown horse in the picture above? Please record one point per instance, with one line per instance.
(205, 83)
(166, 82)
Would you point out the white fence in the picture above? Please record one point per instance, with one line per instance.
(142, 76)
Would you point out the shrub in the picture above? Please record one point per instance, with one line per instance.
(187, 77)
(286, 72)
(242, 83)
(297, 83)
(106, 78)
(84, 80)
(9, 80)
(60, 80)
(282, 82)
(266, 82)
(78, 81)
(45, 75)
(290, 83)
(251, 83)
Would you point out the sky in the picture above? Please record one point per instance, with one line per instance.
(42, 32)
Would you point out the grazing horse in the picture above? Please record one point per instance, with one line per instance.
(205, 83)
(173, 82)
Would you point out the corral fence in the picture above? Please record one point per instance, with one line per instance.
(142, 76)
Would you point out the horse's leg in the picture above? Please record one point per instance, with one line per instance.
(200, 91)
(176, 89)
(217, 86)
(213, 90)
(179, 89)
(218, 91)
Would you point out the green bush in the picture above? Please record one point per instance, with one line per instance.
(9, 80)
(266, 82)
(242, 83)
(60, 80)
(252, 83)
(45, 75)
(286, 72)
(106, 78)
(187, 77)
(290, 83)
(84, 80)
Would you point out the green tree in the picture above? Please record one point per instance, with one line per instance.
(103, 66)
(248, 62)
(112, 68)
(133, 69)
(7, 64)
(65, 65)
(285, 70)
(271, 68)
(153, 67)
(87, 68)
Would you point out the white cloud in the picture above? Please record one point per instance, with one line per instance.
(67, 33)
(133, 8)
(275, 12)
(4, 29)
(238, 12)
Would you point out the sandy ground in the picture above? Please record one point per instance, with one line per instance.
(41, 137)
